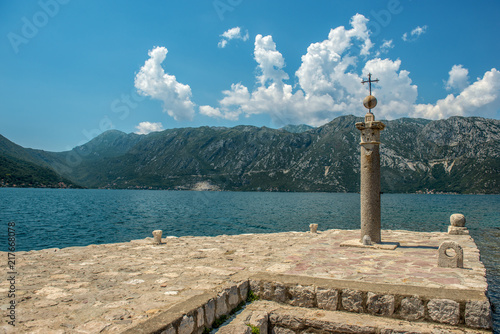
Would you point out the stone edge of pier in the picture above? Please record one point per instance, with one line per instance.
(459, 308)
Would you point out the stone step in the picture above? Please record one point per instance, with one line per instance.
(275, 318)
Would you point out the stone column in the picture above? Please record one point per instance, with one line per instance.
(370, 177)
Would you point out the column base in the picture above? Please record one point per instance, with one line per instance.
(358, 244)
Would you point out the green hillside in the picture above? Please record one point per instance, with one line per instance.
(19, 173)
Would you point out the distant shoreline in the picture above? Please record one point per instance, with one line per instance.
(428, 192)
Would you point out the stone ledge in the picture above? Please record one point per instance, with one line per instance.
(200, 312)
(194, 314)
(285, 319)
(379, 288)
(468, 308)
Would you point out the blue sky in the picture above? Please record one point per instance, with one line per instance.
(72, 69)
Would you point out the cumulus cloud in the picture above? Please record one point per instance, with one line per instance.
(270, 61)
(414, 34)
(327, 84)
(147, 127)
(321, 79)
(395, 92)
(481, 99)
(324, 66)
(152, 81)
(458, 79)
(272, 95)
(233, 33)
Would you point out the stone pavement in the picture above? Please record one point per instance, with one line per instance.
(113, 287)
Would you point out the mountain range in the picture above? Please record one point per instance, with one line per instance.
(456, 155)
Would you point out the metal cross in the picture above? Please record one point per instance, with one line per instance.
(369, 81)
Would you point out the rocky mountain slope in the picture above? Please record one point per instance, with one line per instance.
(459, 155)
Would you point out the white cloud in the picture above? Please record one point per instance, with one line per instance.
(328, 85)
(154, 82)
(272, 95)
(459, 78)
(418, 31)
(238, 95)
(480, 99)
(209, 111)
(216, 113)
(327, 67)
(270, 61)
(387, 44)
(233, 33)
(414, 34)
(395, 92)
(384, 48)
(222, 43)
(361, 32)
(147, 127)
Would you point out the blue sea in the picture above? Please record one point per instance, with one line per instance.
(47, 218)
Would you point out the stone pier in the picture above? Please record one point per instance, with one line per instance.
(184, 284)
(370, 177)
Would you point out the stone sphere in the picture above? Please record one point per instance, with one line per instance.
(370, 102)
(457, 219)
